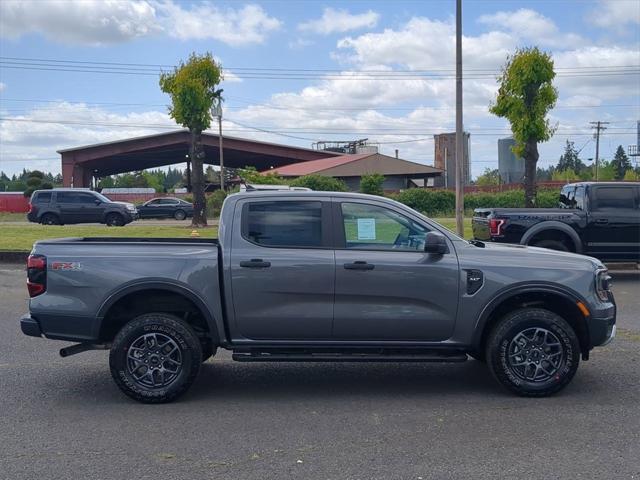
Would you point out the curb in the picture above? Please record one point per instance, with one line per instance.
(13, 257)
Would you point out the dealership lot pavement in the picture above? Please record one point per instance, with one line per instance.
(64, 418)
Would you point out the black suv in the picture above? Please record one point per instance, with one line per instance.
(68, 205)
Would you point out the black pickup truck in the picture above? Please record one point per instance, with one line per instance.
(597, 219)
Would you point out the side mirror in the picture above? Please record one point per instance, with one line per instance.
(435, 243)
(97, 202)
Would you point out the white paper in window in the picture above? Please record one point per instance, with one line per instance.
(366, 229)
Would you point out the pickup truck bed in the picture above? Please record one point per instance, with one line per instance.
(102, 271)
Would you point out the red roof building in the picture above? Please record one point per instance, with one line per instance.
(399, 174)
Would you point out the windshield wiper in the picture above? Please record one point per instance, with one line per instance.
(477, 243)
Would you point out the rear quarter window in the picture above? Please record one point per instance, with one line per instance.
(41, 197)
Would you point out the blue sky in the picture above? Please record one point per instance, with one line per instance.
(290, 71)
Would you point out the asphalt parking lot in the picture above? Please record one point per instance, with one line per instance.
(64, 418)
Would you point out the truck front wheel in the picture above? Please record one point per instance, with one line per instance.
(155, 358)
(533, 352)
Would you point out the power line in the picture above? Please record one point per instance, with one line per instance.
(256, 103)
(147, 66)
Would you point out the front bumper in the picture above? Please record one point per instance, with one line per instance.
(30, 326)
(602, 323)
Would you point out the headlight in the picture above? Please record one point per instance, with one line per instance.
(603, 284)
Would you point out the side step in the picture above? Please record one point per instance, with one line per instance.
(356, 355)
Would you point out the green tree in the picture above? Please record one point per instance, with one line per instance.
(36, 180)
(320, 183)
(525, 96)
(371, 183)
(570, 160)
(193, 90)
(620, 163)
(567, 175)
(250, 175)
(631, 175)
(606, 171)
(489, 178)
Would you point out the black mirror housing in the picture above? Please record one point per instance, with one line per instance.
(97, 201)
(435, 243)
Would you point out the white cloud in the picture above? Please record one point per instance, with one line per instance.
(247, 25)
(300, 43)
(102, 22)
(532, 26)
(92, 22)
(608, 14)
(3, 86)
(340, 21)
(36, 135)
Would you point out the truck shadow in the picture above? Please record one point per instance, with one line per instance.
(238, 381)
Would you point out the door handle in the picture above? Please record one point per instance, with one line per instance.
(602, 220)
(255, 263)
(360, 265)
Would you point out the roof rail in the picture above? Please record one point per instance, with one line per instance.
(256, 187)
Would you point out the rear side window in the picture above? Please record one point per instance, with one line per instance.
(42, 197)
(614, 197)
(76, 197)
(283, 224)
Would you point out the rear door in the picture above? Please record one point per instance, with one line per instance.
(282, 269)
(613, 230)
(387, 287)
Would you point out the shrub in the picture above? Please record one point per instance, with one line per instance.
(371, 183)
(320, 183)
(437, 203)
(214, 203)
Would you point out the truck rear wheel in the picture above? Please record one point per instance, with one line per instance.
(155, 358)
(533, 352)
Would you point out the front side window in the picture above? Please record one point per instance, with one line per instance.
(283, 223)
(614, 197)
(567, 197)
(578, 199)
(85, 198)
(369, 227)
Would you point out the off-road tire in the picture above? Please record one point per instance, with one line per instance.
(165, 326)
(179, 215)
(114, 220)
(552, 245)
(503, 341)
(50, 219)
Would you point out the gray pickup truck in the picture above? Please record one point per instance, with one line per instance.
(319, 276)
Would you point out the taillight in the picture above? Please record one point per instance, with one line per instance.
(495, 226)
(36, 274)
(32, 208)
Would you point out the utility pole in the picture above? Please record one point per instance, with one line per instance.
(216, 111)
(598, 126)
(459, 128)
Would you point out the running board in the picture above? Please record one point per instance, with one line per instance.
(348, 356)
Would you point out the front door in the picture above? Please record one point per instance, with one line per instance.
(387, 287)
(282, 269)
